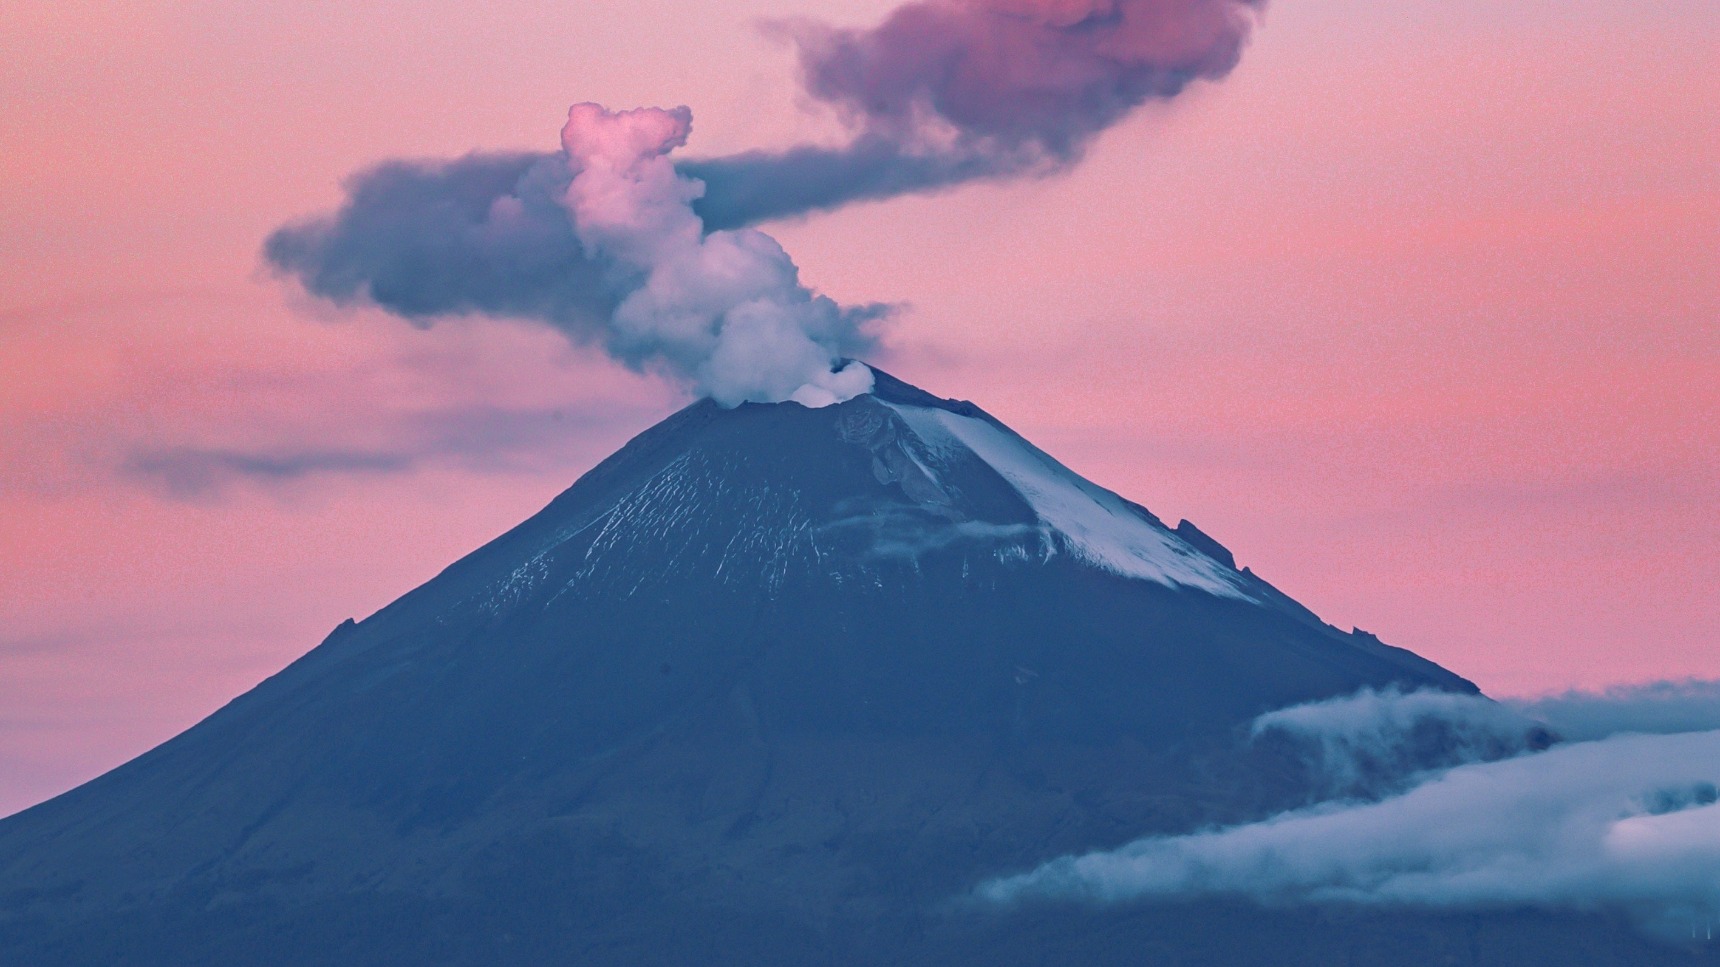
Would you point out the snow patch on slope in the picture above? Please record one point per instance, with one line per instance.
(1097, 526)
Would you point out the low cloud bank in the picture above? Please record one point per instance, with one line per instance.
(1623, 820)
(1657, 708)
(1378, 742)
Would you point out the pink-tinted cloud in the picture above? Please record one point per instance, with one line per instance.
(1041, 74)
(943, 92)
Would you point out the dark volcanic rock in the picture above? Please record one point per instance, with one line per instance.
(769, 686)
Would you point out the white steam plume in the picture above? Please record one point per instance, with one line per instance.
(600, 241)
(725, 310)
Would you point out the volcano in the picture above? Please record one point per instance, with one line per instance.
(770, 685)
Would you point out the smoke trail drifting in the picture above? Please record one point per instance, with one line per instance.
(941, 92)
(947, 91)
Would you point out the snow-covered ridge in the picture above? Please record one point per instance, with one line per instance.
(1096, 525)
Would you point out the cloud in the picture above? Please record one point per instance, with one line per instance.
(194, 471)
(1624, 821)
(1375, 742)
(474, 438)
(1628, 823)
(13, 645)
(169, 396)
(1657, 708)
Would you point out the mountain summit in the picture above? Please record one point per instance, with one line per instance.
(771, 684)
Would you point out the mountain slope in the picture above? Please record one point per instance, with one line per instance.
(768, 683)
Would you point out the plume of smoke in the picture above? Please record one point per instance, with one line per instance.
(756, 186)
(939, 93)
(601, 241)
(1626, 816)
(1377, 742)
(487, 233)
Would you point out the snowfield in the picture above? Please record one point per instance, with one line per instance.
(1095, 525)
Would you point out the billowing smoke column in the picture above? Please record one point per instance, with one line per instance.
(726, 309)
(613, 243)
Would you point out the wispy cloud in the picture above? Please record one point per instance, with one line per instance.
(1378, 742)
(165, 393)
(189, 471)
(1656, 708)
(477, 439)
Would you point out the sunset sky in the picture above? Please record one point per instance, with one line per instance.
(1418, 312)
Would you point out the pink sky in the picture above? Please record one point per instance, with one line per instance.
(1419, 312)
